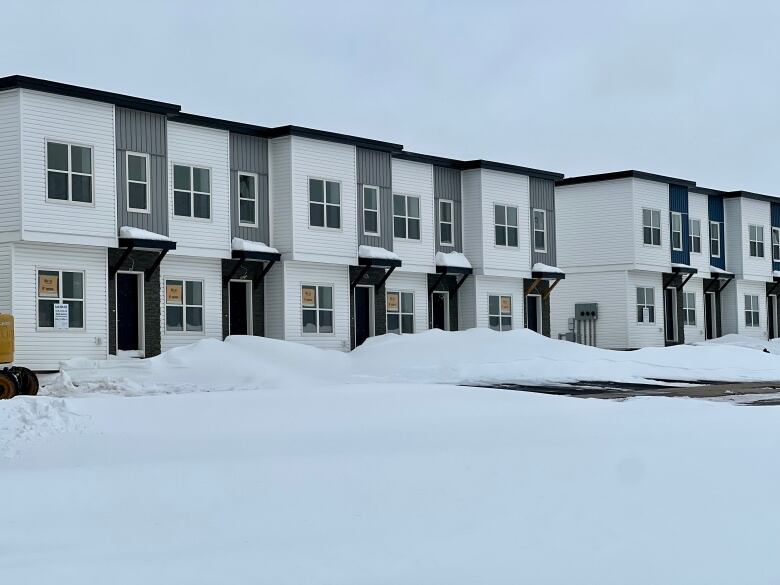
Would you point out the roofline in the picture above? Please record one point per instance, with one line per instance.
(751, 195)
(465, 165)
(220, 124)
(707, 191)
(629, 174)
(358, 141)
(118, 99)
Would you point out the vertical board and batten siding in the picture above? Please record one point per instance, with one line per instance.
(716, 213)
(145, 133)
(249, 154)
(447, 185)
(678, 202)
(697, 210)
(75, 121)
(655, 196)
(542, 193)
(512, 190)
(280, 183)
(318, 159)
(775, 212)
(44, 349)
(644, 334)
(209, 272)
(417, 284)
(375, 168)
(6, 277)
(201, 147)
(414, 178)
(754, 212)
(10, 166)
(473, 226)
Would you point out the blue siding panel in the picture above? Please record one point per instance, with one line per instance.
(678, 202)
(716, 213)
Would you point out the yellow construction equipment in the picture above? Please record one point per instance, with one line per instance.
(13, 380)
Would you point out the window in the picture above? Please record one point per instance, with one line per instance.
(500, 312)
(400, 312)
(191, 192)
(651, 227)
(694, 231)
(756, 235)
(540, 230)
(137, 182)
(645, 304)
(505, 220)
(689, 308)
(445, 222)
(184, 306)
(68, 172)
(776, 244)
(751, 311)
(406, 217)
(317, 308)
(370, 210)
(247, 199)
(715, 239)
(57, 288)
(677, 234)
(324, 203)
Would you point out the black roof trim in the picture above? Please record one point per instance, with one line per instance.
(684, 270)
(453, 270)
(548, 275)
(629, 174)
(118, 99)
(383, 262)
(465, 165)
(220, 124)
(751, 195)
(334, 137)
(146, 244)
(254, 255)
(706, 191)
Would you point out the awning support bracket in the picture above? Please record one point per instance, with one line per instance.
(460, 283)
(383, 280)
(546, 295)
(533, 286)
(115, 268)
(774, 288)
(149, 272)
(437, 282)
(690, 275)
(360, 275)
(236, 268)
(268, 265)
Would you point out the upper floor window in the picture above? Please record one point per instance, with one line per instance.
(60, 299)
(370, 210)
(676, 229)
(191, 192)
(324, 203)
(540, 230)
(751, 311)
(756, 237)
(317, 308)
(446, 224)
(776, 244)
(500, 312)
(400, 312)
(715, 239)
(247, 199)
(505, 222)
(406, 217)
(651, 227)
(694, 231)
(68, 172)
(645, 304)
(137, 182)
(689, 308)
(184, 306)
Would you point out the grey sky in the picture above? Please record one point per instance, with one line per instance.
(686, 89)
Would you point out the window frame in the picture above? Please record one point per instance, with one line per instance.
(640, 306)
(192, 192)
(377, 211)
(501, 315)
(400, 312)
(689, 311)
(691, 236)
(506, 226)
(451, 222)
(324, 203)
(60, 298)
(756, 242)
(719, 239)
(408, 217)
(316, 308)
(651, 227)
(753, 313)
(534, 230)
(256, 199)
(184, 305)
(69, 173)
(672, 231)
(146, 183)
(776, 245)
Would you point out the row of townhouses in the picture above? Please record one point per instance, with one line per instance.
(129, 227)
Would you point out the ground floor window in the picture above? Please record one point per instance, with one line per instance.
(500, 312)
(751, 311)
(184, 306)
(317, 308)
(400, 312)
(689, 308)
(60, 299)
(645, 304)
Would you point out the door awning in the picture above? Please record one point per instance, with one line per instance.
(242, 256)
(132, 243)
(373, 257)
(540, 272)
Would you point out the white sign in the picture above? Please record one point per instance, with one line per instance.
(61, 316)
(645, 314)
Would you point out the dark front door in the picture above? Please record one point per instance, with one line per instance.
(362, 314)
(670, 314)
(127, 312)
(239, 308)
(532, 306)
(440, 310)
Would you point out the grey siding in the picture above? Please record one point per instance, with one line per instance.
(543, 197)
(249, 154)
(374, 168)
(145, 133)
(446, 185)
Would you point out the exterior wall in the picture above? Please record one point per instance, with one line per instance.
(6, 254)
(473, 226)
(652, 195)
(542, 193)
(506, 189)
(45, 349)
(696, 332)
(207, 270)
(644, 334)
(249, 154)
(249, 271)
(280, 182)
(332, 161)
(733, 307)
(10, 166)
(145, 133)
(484, 286)
(273, 305)
(375, 168)
(697, 209)
(467, 304)
(413, 178)
(203, 147)
(416, 283)
(49, 117)
(733, 238)
(756, 213)
(447, 185)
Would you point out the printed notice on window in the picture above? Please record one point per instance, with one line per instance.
(392, 302)
(61, 316)
(308, 296)
(173, 294)
(645, 314)
(506, 305)
(48, 285)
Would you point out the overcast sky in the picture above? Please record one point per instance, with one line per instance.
(684, 89)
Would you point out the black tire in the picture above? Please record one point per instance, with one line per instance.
(28, 382)
(8, 385)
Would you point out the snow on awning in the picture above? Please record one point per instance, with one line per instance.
(376, 256)
(717, 273)
(249, 250)
(131, 238)
(678, 268)
(545, 271)
(452, 262)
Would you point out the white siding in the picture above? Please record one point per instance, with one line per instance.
(467, 304)
(207, 270)
(471, 189)
(44, 349)
(10, 166)
(506, 189)
(644, 334)
(756, 213)
(748, 287)
(652, 195)
(58, 118)
(728, 309)
(698, 209)
(202, 147)
(413, 178)
(484, 286)
(273, 291)
(300, 273)
(696, 332)
(280, 181)
(5, 277)
(332, 161)
(417, 284)
(733, 238)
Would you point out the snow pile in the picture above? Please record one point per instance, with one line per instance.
(139, 234)
(540, 267)
(452, 260)
(241, 245)
(376, 253)
(732, 339)
(28, 420)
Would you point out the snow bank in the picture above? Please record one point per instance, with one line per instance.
(241, 245)
(139, 234)
(540, 267)
(452, 259)
(377, 253)
(27, 420)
